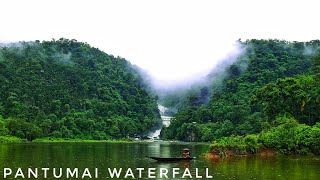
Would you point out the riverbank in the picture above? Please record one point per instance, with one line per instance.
(14, 139)
(10, 139)
(57, 140)
(289, 137)
(79, 140)
(236, 146)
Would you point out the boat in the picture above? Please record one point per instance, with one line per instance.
(172, 158)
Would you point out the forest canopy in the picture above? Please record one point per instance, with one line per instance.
(68, 89)
(280, 81)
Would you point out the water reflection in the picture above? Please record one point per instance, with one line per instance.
(134, 155)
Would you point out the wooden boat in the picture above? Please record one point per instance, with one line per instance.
(172, 158)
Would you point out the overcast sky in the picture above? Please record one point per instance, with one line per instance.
(172, 39)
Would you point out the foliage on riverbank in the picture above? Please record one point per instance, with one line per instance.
(236, 145)
(78, 140)
(10, 139)
(288, 137)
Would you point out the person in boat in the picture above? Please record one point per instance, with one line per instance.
(186, 153)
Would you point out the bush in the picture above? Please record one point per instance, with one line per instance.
(7, 139)
(236, 145)
(288, 137)
(292, 138)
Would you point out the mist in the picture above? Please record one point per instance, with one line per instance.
(164, 76)
(20, 48)
(200, 83)
(209, 71)
(309, 50)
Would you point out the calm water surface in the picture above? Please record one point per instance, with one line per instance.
(133, 155)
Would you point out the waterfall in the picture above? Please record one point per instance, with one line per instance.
(165, 117)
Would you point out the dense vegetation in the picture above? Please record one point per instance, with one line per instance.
(67, 89)
(280, 79)
(286, 136)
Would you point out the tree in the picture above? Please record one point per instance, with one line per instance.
(269, 78)
(3, 129)
(316, 67)
(66, 88)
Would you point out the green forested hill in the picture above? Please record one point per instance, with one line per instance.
(64, 88)
(279, 83)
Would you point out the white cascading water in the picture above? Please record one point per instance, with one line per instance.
(165, 121)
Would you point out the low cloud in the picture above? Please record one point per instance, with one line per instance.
(203, 75)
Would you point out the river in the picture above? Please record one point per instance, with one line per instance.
(134, 155)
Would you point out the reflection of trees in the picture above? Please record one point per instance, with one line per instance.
(258, 167)
(4, 150)
(132, 155)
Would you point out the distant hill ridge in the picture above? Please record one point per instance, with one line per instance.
(68, 89)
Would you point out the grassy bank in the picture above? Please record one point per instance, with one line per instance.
(78, 140)
(9, 139)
